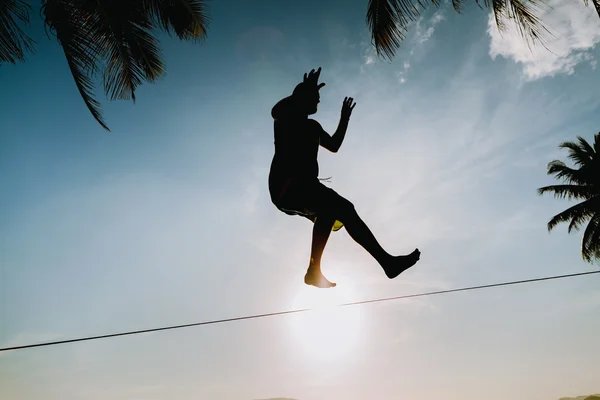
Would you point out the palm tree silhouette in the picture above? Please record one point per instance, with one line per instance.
(581, 183)
(388, 20)
(118, 35)
(114, 38)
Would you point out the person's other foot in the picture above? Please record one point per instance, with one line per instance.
(399, 264)
(315, 277)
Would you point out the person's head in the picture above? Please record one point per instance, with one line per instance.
(307, 98)
(303, 101)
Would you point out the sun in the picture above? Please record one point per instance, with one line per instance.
(327, 333)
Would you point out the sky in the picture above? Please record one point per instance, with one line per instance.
(167, 219)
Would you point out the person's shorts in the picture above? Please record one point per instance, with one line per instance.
(308, 198)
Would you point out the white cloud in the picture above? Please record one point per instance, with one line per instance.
(424, 30)
(574, 28)
(423, 36)
(369, 55)
(402, 74)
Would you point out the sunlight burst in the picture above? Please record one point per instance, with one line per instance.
(327, 333)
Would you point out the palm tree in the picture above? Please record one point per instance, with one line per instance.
(581, 183)
(14, 43)
(112, 38)
(388, 20)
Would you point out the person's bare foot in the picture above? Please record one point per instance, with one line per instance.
(314, 277)
(399, 264)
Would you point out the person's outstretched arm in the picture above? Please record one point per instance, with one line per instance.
(333, 143)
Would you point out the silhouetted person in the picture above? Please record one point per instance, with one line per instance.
(295, 188)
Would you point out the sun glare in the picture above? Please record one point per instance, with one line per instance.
(327, 333)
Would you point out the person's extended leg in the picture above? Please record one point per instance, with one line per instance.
(320, 235)
(360, 232)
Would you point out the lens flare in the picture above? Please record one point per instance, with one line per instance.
(328, 333)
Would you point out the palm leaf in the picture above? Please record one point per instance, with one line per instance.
(107, 33)
(577, 215)
(116, 37)
(146, 52)
(458, 5)
(388, 20)
(585, 157)
(131, 52)
(586, 147)
(590, 243)
(525, 15)
(79, 48)
(580, 153)
(597, 142)
(14, 42)
(570, 191)
(187, 18)
(569, 175)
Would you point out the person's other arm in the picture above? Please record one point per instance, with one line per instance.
(333, 143)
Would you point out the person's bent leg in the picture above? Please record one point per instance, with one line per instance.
(321, 231)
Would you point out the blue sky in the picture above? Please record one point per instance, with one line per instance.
(167, 219)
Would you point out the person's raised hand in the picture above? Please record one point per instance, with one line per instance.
(347, 107)
(312, 79)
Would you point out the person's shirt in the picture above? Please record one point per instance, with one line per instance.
(296, 142)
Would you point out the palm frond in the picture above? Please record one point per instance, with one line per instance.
(187, 18)
(570, 191)
(579, 153)
(577, 215)
(388, 21)
(590, 243)
(586, 147)
(64, 18)
(85, 84)
(569, 175)
(146, 51)
(525, 15)
(14, 42)
(457, 5)
(115, 37)
(597, 141)
(120, 33)
(117, 25)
